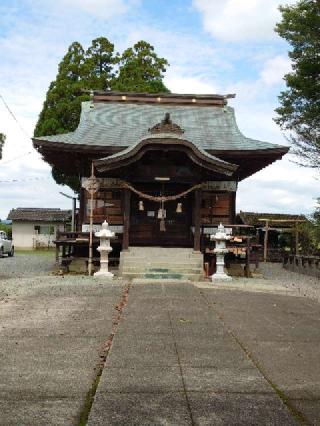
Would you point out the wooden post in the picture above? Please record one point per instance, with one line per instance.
(73, 220)
(126, 218)
(197, 219)
(91, 226)
(57, 246)
(247, 267)
(232, 216)
(57, 253)
(82, 208)
(296, 238)
(265, 251)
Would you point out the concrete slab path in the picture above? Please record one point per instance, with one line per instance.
(52, 332)
(180, 355)
(188, 356)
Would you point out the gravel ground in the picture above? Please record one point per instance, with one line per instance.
(303, 285)
(14, 271)
(27, 264)
(27, 274)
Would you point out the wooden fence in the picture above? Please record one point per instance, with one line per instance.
(308, 265)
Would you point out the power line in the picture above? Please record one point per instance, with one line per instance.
(33, 178)
(14, 117)
(16, 158)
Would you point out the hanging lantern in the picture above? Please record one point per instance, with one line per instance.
(141, 206)
(179, 208)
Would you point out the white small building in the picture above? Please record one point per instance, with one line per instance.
(34, 228)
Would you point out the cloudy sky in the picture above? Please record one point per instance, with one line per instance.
(212, 46)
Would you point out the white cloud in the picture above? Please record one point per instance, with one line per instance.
(240, 20)
(274, 70)
(180, 84)
(281, 187)
(102, 9)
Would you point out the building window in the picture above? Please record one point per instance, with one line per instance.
(44, 229)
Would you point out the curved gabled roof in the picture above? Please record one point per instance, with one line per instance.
(158, 140)
(115, 124)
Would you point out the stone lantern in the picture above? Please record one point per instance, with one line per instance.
(220, 237)
(104, 248)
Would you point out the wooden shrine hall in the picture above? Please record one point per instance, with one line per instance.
(167, 164)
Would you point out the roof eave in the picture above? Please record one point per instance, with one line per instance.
(136, 152)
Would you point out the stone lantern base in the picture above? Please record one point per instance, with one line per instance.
(105, 274)
(220, 277)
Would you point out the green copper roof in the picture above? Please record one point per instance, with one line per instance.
(114, 124)
(161, 139)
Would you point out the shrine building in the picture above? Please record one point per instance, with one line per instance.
(168, 165)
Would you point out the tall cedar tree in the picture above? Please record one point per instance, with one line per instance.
(61, 109)
(99, 63)
(299, 110)
(140, 69)
(2, 141)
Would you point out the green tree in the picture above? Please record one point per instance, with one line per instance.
(309, 233)
(6, 228)
(98, 68)
(299, 110)
(62, 107)
(141, 70)
(2, 141)
(99, 63)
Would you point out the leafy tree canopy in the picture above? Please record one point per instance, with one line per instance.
(141, 70)
(98, 68)
(99, 64)
(309, 233)
(299, 110)
(2, 141)
(6, 228)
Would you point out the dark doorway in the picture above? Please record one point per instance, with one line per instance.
(145, 229)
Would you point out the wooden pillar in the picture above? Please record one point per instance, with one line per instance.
(126, 218)
(82, 209)
(57, 253)
(247, 267)
(266, 234)
(57, 246)
(232, 216)
(197, 219)
(296, 238)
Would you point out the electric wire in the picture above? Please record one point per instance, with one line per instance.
(14, 117)
(30, 179)
(20, 127)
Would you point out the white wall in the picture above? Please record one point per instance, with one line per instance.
(25, 237)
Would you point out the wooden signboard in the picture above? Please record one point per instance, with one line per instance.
(227, 185)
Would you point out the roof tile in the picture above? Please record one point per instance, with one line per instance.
(114, 124)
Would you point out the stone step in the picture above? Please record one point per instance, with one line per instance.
(152, 269)
(159, 249)
(173, 255)
(162, 276)
(163, 262)
(156, 251)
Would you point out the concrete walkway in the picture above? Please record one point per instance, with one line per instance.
(52, 332)
(188, 356)
(180, 354)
